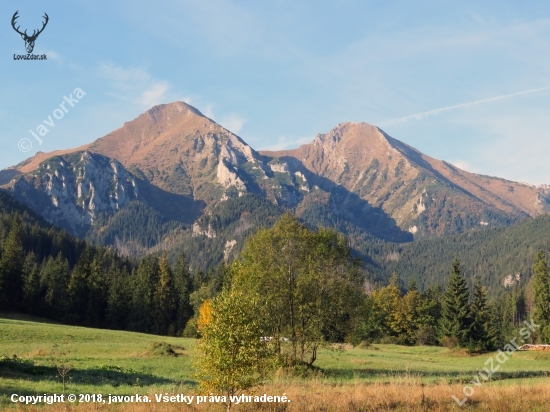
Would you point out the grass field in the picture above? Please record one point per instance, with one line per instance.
(379, 377)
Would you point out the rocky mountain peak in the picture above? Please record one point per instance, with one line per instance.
(171, 109)
(349, 134)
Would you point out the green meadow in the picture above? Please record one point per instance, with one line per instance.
(32, 353)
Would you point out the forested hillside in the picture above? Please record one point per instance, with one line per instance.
(37, 237)
(48, 273)
(490, 255)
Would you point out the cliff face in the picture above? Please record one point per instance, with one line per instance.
(73, 190)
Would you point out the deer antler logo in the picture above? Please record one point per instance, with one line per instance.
(29, 40)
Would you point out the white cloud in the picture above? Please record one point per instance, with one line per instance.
(138, 86)
(435, 112)
(122, 76)
(284, 143)
(219, 25)
(510, 143)
(462, 164)
(233, 123)
(208, 112)
(155, 94)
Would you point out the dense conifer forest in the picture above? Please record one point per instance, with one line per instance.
(488, 255)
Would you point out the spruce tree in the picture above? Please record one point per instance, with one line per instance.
(78, 287)
(118, 301)
(164, 299)
(53, 279)
(31, 286)
(97, 291)
(456, 318)
(541, 290)
(480, 330)
(11, 268)
(427, 315)
(412, 286)
(183, 283)
(144, 283)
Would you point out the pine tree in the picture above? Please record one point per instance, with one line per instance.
(11, 268)
(541, 289)
(456, 320)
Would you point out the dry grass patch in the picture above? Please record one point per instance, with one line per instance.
(40, 353)
(315, 397)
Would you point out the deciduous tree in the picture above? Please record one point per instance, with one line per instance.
(307, 282)
(233, 357)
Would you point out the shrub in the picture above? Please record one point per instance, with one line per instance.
(450, 342)
(426, 335)
(164, 349)
(233, 357)
(190, 330)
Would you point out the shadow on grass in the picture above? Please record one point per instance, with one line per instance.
(16, 368)
(450, 377)
(26, 318)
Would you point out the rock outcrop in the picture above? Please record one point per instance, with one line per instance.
(73, 190)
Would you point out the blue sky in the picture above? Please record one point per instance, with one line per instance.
(277, 73)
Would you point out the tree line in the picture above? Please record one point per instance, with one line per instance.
(47, 273)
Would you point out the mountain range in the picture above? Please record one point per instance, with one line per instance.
(172, 177)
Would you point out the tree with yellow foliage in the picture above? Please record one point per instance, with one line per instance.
(205, 314)
(233, 356)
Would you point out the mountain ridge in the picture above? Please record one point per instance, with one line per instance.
(355, 178)
(444, 169)
(361, 156)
